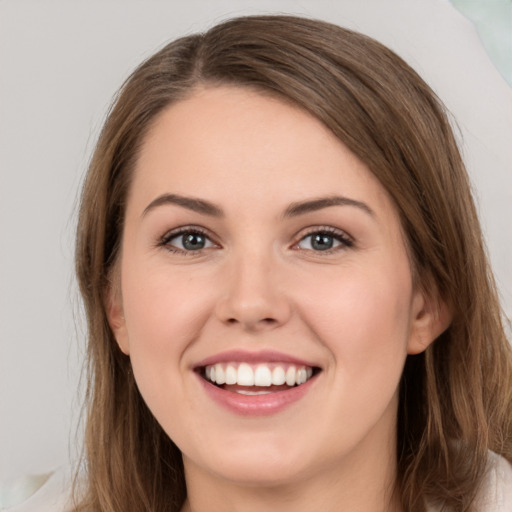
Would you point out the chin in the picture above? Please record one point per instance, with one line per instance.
(263, 474)
(254, 459)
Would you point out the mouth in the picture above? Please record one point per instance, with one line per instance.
(259, 383)
(245, 378)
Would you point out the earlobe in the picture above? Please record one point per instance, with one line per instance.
(431, 316)
(115, 316)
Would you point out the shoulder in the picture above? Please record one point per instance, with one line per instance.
(495, 494)
(49, 493)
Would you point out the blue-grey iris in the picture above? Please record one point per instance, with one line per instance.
(193, 241)
(322, 242)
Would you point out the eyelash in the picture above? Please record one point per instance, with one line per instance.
(345, 241)
(192, 230)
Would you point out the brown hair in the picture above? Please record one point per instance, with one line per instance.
(455, 398)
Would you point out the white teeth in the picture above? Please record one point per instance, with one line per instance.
(245, 375)
(290, 376)
(220, 375)
(263, 375)
(301, 376)
(231, 374)
(278, 376)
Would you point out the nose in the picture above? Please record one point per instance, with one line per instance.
(253, 297)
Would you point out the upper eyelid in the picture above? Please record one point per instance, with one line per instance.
(175, 232)
(322, 229)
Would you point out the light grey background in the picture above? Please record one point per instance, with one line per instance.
(61, 62)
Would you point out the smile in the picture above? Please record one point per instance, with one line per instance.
(256, 384)
(237, 377)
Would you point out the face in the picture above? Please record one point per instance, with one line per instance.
(259, 253)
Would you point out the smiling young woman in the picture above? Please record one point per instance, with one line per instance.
(288, 299)
(306, 303)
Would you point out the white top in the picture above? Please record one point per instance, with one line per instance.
(28, 495)
(38, 493)
(496, 492)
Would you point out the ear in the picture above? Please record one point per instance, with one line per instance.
(115, 316)
(430, 317)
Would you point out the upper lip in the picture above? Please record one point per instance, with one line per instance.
(261, 356)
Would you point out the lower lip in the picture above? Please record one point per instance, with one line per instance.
(257, 405)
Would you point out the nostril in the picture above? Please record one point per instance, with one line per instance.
(267, 321)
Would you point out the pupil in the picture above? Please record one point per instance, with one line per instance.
(193, 241)
(322, 242)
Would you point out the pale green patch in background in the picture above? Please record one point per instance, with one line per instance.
(493, 21)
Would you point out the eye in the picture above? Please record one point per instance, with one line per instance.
(187, 240)
(325, 240)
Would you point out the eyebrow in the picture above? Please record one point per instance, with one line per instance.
(293, 210)
(303, 207)
(191, 203)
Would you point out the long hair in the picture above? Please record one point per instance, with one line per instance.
(455, 398)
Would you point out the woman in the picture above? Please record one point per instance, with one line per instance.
(288, 299)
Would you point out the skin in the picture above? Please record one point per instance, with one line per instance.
(260, 284)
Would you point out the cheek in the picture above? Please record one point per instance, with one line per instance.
(164, 313)
(163, 306)
(363, 317)
(363, 321)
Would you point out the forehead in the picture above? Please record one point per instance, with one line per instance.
(227, 142)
